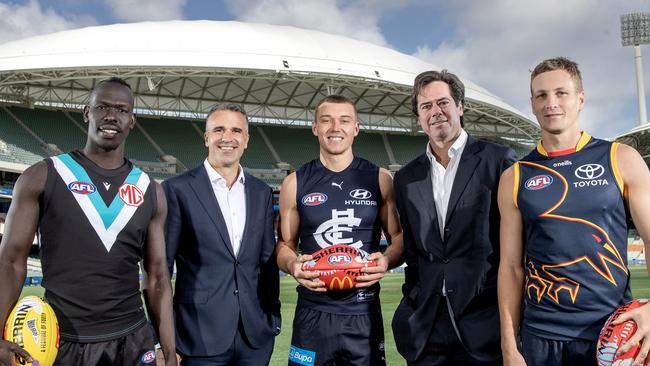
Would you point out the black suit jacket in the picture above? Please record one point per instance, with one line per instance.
(467, 258)
(214, 288)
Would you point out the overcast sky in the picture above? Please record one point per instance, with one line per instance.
(494, 43)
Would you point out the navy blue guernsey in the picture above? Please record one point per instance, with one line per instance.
(92, 227)
(339, 208)
(576, 239)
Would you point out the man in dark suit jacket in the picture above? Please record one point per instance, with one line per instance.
(447, 201)
(219, 232)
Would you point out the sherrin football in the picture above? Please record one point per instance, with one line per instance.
(32, 325)
(338, 266)
(613, 336)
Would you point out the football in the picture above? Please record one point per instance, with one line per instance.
(612, 336)
(338, 266)
(32, 325)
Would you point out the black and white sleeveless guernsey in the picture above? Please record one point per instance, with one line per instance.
(339, 208)
(92, 226)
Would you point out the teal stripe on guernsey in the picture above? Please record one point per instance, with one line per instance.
(110, 213)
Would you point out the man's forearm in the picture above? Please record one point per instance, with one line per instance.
(285, 256)
(159, 297)
(510, 290)
(395, 253)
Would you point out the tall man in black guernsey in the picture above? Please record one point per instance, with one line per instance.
(97, 217)
(337, 328)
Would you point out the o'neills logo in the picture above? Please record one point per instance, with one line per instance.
(131, 194)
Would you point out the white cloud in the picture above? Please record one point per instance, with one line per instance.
(358, 19)
(141, 10)
(497, 43)
(25, 20)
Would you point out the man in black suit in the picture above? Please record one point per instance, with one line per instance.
(447, 201)
(219, 232)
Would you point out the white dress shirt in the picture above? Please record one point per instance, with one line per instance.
(443, 179)
(232, 203)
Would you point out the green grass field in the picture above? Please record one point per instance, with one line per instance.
(390, 297)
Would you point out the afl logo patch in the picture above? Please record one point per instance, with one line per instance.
(148, 357)
(314, 199)
(131, 194)
(339, 259)
(539, 182)
(81, 187)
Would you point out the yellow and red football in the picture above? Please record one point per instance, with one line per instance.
(32, 325)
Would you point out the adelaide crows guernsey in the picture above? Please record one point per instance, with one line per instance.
(92, 227)
(339, 208)
(576, 239)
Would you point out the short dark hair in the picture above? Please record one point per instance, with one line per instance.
(113, 79)
(226, 106)
(337, 99)
(559, 63)
(456, 87)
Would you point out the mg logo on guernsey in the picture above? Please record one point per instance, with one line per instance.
(538, 182)
(131, 194)
(81, 187)
(589, 175)
(335, 230)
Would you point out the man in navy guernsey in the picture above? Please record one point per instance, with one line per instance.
(97, 216)
(337, 327)
(564, 232)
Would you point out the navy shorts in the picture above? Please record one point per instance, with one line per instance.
(136, 348)
(538, 351)
(321, 338)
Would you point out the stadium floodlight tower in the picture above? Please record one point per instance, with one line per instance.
(635, 31)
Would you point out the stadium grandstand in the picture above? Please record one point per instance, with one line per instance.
(179, 68)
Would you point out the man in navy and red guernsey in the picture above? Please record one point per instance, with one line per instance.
(564, 231)
(338, 198)
(97, 217)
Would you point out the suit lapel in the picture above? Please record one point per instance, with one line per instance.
(203, 189)
(424, 187)
(466, 168)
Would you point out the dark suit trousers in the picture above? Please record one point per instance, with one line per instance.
(444, 347)
(240, 353)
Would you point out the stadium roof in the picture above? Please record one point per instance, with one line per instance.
(179, 68)
(638, 138)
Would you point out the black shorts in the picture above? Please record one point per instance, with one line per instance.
(321, 338)
(136, 348)
(538, 351)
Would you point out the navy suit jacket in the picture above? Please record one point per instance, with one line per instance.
(467, 258)
(214, 288)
